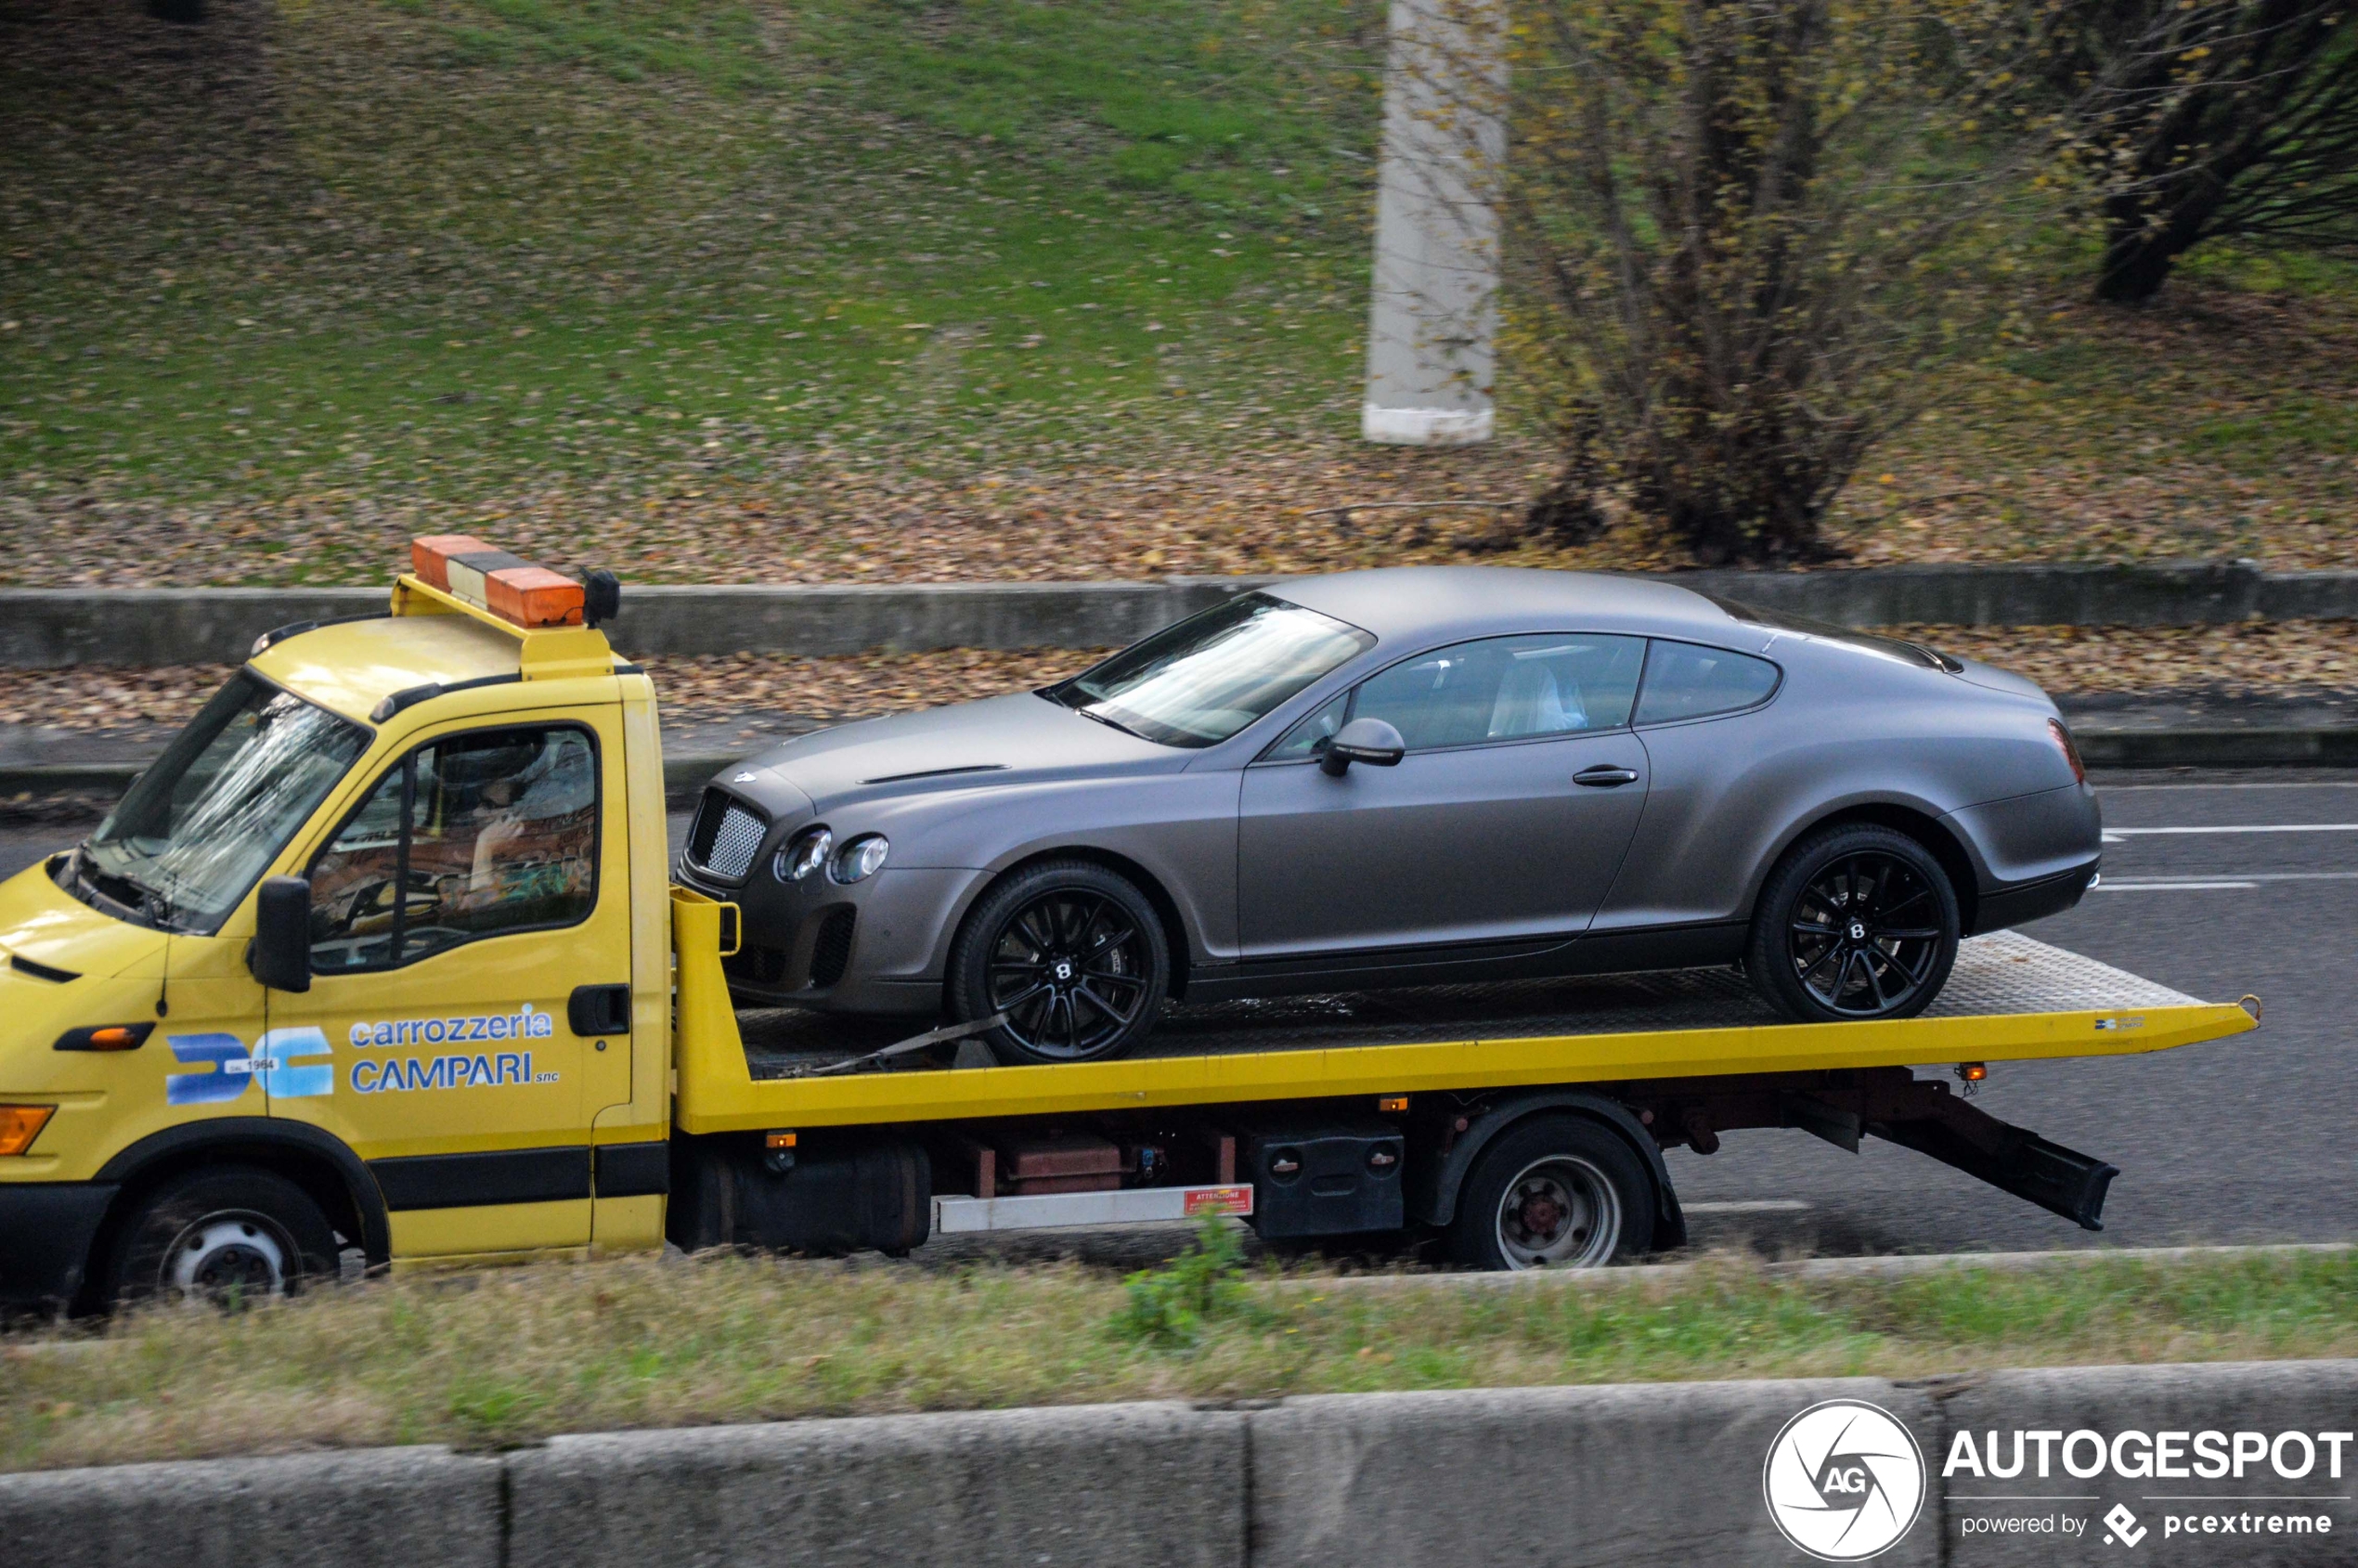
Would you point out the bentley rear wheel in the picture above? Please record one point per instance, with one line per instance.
(1072, 953)
(1857, 921)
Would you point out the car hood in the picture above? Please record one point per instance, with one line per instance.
(998, 740)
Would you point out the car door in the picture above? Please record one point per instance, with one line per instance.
(453, 915)
(1507, 818)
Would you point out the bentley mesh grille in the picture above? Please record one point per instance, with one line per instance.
(726, 837)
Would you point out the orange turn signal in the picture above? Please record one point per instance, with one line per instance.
(109, 1037)
(1972, 1072)
(779, 1140)
(1391, 1105)
(20, 1124)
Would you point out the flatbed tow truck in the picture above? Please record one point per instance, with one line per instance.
(384, 957)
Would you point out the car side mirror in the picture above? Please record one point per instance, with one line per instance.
(279, 954)
(1363, 740)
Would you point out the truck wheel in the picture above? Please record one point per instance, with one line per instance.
(1072, 953)
(1554, 1192)
(228, 1233)
(1857, 921)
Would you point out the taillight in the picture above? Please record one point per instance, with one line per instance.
(2062, 737)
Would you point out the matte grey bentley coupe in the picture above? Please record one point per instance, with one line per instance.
(1406, 777)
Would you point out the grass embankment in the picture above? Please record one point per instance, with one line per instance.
(505, 1357)
(869, 288)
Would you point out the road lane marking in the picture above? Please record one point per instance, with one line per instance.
(1750, 1206)
(2121, 835)
(2169, 887)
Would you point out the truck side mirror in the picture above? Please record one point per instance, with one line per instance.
(279, 954)
(1363, 740)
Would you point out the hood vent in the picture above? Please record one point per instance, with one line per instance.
(939, 773)
(24, 966)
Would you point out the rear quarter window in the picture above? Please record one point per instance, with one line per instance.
(1687, 681)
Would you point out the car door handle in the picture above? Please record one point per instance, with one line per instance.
(1604, 775)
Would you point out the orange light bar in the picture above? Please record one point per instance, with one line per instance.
(509, 586)
(20, 1124)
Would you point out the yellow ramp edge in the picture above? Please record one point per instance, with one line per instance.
(718, 1093)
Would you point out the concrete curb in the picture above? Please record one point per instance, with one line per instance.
(52, 627)
(1599, 1474)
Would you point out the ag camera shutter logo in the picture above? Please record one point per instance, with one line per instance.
(1845, 1481)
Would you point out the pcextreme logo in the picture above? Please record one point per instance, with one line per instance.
(1845, 1481)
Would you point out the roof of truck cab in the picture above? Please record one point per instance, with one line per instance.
(352, 666)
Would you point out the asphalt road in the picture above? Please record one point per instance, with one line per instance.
(2248, 1139)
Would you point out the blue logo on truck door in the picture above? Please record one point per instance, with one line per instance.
(272, 1060)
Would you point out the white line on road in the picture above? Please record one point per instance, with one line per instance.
(2114, 834)
(2169, 887)
(2248, 879)
(1750, 1206)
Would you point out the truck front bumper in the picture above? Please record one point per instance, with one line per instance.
(46, 1229)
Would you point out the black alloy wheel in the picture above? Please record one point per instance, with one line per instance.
(1858, 922)
(1072, 954)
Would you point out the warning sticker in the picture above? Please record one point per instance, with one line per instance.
(1218, 1200)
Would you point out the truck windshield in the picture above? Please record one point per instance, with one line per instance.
(1199, 682)
(198, 828)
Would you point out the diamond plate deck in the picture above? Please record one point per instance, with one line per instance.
(2004, 973)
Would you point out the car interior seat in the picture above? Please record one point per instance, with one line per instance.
(1533, 701)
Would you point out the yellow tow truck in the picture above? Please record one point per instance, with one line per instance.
(382, 957)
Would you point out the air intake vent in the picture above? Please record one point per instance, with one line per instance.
(831, 953)
(726, 836)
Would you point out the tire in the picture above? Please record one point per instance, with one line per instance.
(226, 1233)
(1554, 1192)
(1074, 953)
(1855, 921)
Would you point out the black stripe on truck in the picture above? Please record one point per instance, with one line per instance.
(634, 1169)
(474, 1181)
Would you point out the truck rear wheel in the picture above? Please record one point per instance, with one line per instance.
(1554, 1192)
(229, 1234)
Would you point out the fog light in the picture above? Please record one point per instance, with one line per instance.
(861, 858)
(803, 854)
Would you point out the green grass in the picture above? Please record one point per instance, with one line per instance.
(765, 290)
(461, 248)
(505, 1357)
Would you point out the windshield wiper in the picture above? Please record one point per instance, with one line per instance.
(1110, 723)
(134, 897)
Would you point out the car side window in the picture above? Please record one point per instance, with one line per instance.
(1309, 737)
(1506, 688)
(1684, 681)
(469, 836)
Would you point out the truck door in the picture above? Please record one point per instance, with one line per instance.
(453, 914)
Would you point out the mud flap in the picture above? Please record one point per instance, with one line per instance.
(2059, 1180)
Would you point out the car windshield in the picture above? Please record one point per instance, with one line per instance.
(1197, 683)
(199, 827)
(1890, 647)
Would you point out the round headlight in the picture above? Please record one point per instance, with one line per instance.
(803, 854)
(861, 858)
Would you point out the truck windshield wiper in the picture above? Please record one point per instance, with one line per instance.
(127, 893)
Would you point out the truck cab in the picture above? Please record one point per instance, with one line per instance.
(438, 835)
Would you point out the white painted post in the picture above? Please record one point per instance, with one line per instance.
(1435, 312)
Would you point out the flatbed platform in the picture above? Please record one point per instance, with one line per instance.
(2010, 998)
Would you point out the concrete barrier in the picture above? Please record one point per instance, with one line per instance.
(52, 627)
(1610, 1476)
(384, 1508)
(2261, 1397)
(1655, 1473)
(1093, 1487)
